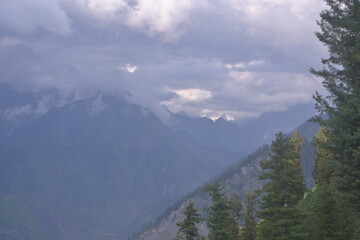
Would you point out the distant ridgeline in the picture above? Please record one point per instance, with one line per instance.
(246, 136)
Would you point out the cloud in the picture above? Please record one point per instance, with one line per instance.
(160, 18)
(192, 95)
(186, 97)
(128, 68)
(97, 106)
(284, 20)
(244, 65)
(104, 11)
(9, 42)
(246, 94)
(231, 58)
(258, 92)
(25, 17)
(13, 114)
(186, 100)
(103, 8)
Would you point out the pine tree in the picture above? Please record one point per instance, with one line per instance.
(219, 211)
(340, 32)
(325, 216)
(224, 214)
(280, 219)
(295, 169)
(322, 211)
(322, 215)
(178, 236)
(249, 232)
(187, 227)
(324, 207)
(235, 216)
(324, 165)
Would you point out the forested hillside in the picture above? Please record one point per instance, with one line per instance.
(240, 178)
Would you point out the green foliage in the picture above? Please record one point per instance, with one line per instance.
(324, 165)
(340, 29)
(340, 32)
(219, 213)
(178, 236)
(249, 232)
(280, 219)
(325, 217)
(322, 215)
(323, 211)
(224, 214)
(241, 181)
(235, 215)
(187, 227)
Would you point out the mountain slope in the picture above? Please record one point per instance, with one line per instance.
(241, 178)
(98, 168)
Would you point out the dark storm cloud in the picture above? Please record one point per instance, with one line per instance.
(211, 57)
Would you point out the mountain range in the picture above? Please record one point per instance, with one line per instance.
(245, 136)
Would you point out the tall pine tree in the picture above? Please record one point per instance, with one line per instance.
(187, 227)
(340, 32)
(224, 214)
(235, 216)
(219, 213)
(324, 164)
(249, 232)
(280, 219)
(322, 211)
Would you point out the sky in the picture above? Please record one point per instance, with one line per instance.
(215, 58)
